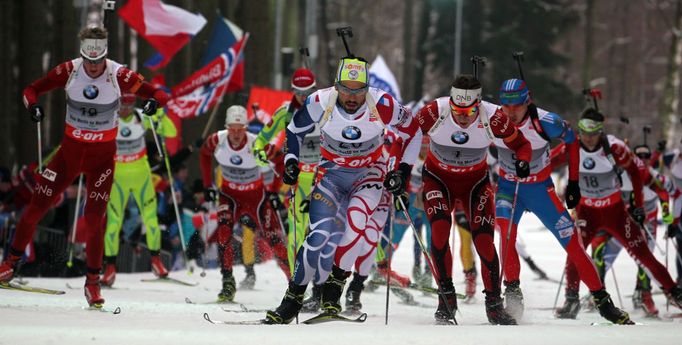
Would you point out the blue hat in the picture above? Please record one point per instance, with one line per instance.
(513, 91)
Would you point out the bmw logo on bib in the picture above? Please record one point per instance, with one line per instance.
(90, 92)
(351, 133)
(125, 132)
(588, 163)
(236, 160)
(459, 137)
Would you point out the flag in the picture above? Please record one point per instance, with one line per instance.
(266, 101)
(167, 28)
(209, 90)
(381, 77)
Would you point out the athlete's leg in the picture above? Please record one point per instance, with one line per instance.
(118, 200)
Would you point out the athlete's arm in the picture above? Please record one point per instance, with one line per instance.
(277, 123)
(301, 124)
(625, 159)
(406, 127)
(55, 78)
(503, 128)
(206, 158)
(133, 82)
(555, 127)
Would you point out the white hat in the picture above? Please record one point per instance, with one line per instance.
(93, 48)
(463, 97)
(236, 114)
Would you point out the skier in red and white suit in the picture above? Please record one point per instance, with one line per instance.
(602, 207)
(242, 194)
(93, 85)
(461, 128)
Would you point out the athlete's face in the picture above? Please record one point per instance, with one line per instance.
(516, 112)
(94, 69)
(236, 133)
(126, 109)
(351, 95)
(590, 140)
(464, 116)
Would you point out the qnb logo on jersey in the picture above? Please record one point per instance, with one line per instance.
(459, 137)
(351, 133)
(236, 160)
(90, 92)
(589, 163)
(125, 132)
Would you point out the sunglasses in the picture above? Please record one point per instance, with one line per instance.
(469, 111)
(349, 91)
(305, 93)
(95, 62)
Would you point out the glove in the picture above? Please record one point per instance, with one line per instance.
(291, 171)
(37, 113)
(638, 214)
(209, 194)
(396, 180)
(274, 200)
(261, 158)
(522, 169)
(673, 230)
(396, 201)
(572, 194)
(660, 146)
(305, 206)
(149, 107)
(665, 211)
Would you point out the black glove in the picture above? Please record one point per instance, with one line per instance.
(291, 171)
(572, 194)
(660, 147)
(522, 169)
(396, 201)
(37, 113)
(638, 214)
(396, 180)
(673, 230)
(149, 106)
(209, 194)
(305, 206)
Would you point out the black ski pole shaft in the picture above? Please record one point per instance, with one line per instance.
(391, 216)
(427, 258)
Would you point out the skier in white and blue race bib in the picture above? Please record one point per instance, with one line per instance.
(352, 118)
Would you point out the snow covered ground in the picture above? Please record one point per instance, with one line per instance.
(156, 313)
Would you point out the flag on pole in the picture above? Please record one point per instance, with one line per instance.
(167, 28)
(381, 77)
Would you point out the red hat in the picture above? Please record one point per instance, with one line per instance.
(303, 79)
(128, 98)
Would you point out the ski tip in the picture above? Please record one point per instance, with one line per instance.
(207, 318)
(117, 310)
(188, 301)
(362, 317)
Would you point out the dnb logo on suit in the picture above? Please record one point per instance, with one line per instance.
(351, 133)
(459, 137)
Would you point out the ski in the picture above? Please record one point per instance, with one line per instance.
(328, 317)
(220, 322)
(244, 309)
(609, 323)
(101, 308)
(27, 288)
(672, 315)
(169, 280)
(374, 284)
(189, 301)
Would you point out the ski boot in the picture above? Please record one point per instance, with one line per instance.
(513, 299)
(92, 289)
(354, 291)
(446, 307)
(396, 278)
(637, 298)
(571, 306)
(8, 267)
(250, 280)
(470, 280)
(229, 288)
(158, 268)
(608, 310)
(332, 289)
(312, 304)
(109, 275)
(495, 311)
(289, 308)
(648, 304)
(674, 296)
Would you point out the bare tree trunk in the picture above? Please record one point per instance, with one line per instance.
(589, 34)
(671, 93)
(12, 109)
(420, 56)
(407, 53)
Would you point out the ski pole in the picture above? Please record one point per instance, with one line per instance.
(292, 204)
(427, 258)
(156, 137)
(615, 281)
(667, 302)
(509, 230)
(391, 215)
(40, 147)
(207, 218)
(75, 222)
